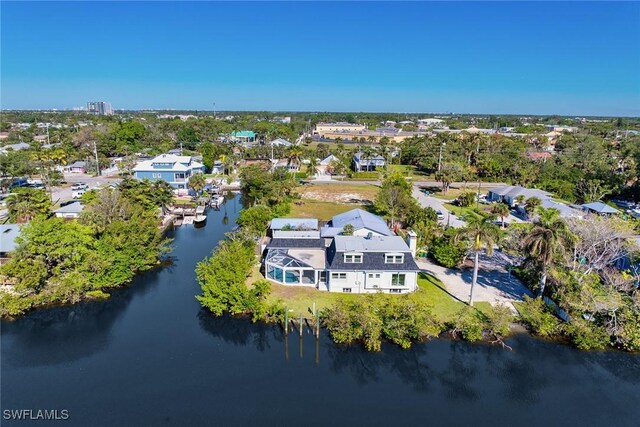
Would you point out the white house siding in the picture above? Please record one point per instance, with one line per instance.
(360, 283)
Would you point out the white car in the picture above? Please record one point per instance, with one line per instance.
(440, 215)
(76, 194)
(79, 186)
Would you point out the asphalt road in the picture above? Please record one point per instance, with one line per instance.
(63, 193)
(437, 205)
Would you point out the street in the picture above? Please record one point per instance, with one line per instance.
(63, 193)
(437, 205)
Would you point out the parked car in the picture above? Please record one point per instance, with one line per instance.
(440, 215)
(76, 194)
(79, 186)
(426, 192)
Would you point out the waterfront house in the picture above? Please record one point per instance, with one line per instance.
(349, 264)
(8, 244)
(363, 223)
(217, 168)
(509, 193)
(599, 208)
(176, 170)
(367, 163)
(70, 211)
(357, 264)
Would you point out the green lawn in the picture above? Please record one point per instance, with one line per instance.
(458, 211)
(301, 299)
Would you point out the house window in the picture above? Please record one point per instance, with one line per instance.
(377, 275)
(353, 259)
(339, 276)
(323, 276)
(397, 280)
(371, 275)
(346, 290)
(394, 259)
(395, 291)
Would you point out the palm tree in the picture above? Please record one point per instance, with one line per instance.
(501, 210)
(197, 182)
(483, 234)
(533, 203)
(546, 241)
(24, 204)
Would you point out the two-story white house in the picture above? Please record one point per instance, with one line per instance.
(176, 170)
(357, 264)
(368, 262)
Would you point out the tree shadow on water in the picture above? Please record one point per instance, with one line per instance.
(239, 331)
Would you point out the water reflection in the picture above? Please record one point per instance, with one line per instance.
(64, 334)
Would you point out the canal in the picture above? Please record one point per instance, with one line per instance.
(149, 356)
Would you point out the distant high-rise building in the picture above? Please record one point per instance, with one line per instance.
(100, 108)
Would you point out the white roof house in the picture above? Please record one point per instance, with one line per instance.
(280, 142)
(72, 210)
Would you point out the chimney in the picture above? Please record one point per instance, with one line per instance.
(412, 242)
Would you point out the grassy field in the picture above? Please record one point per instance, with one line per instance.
(324, 211)
(342, 192)
(302, 299)
(409, 171)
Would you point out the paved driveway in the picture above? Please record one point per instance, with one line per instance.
(495, 284)
(64, 193)
(437, 205)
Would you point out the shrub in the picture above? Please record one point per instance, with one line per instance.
(498, 320)
(14, 305)
(587, 335)
(469, 324)
(466, 199)
(537, 317)
(447, 253)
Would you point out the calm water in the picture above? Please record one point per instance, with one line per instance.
(150, 356)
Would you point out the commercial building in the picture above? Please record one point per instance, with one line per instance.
(100, 108)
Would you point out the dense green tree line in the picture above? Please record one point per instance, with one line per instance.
(61, 261)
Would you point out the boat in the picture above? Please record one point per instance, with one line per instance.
(200, 216)
(216, 201)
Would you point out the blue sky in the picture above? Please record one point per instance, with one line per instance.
(501, 57)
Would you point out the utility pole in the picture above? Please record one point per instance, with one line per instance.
(95, 152)
(440, 157)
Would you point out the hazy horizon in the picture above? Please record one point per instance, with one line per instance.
(506, 58)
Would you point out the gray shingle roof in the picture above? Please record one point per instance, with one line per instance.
(361, 219)
(296, 243)
(373, 254)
